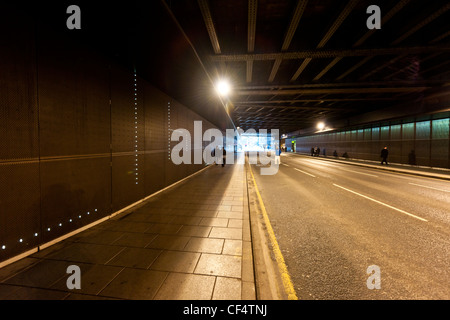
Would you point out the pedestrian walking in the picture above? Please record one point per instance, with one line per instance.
(213, 154)
(384, 155)
(277, 155)
(224, 155)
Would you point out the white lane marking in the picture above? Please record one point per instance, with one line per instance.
(414, 184)
(284, 164)
(382, 203)
(317, 162)
(309, 174)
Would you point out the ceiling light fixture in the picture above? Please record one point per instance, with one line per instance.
(223, 87)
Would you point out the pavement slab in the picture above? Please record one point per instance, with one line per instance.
(188, 242)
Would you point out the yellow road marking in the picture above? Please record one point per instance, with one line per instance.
(287, 283)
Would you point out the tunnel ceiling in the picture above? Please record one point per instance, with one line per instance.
(294, 63)
(291, 63)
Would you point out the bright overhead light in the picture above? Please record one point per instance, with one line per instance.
(223, 87)
(321, 126)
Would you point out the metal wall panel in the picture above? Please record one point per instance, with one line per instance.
(408, 145)
(74, 115)
(385, 134)
(425, 141)
(440, 129)
(75, 192)
(374, 151)
(155, 104)
(408, 131)
(365, 138)
(127, 187)
(73, 100)
(368, 134)
(154, 171)
(422, 143)
(375, 146)
(375, 133)
(348, 136)
(440, 142)
(177, 121)
(80, 137)
(423, 152)
(439, 153)
(423, 129)
(19, 208)
(396, 132)
(156, 143)
(19, 139)
(18, 100)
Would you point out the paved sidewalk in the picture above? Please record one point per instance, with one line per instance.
(189, 242)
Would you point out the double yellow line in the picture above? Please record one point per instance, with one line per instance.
(287, 283)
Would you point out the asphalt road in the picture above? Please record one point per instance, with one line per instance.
(333, 220)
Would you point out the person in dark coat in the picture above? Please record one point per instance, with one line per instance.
(384, 155)
(213, 155)
(224, 155)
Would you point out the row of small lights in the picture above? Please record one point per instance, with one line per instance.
(168, 127)
(135, 127)
(223, 89)
(3, 247)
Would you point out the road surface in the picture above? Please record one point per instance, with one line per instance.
(334, 220)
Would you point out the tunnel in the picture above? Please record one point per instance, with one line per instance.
(214, 149)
